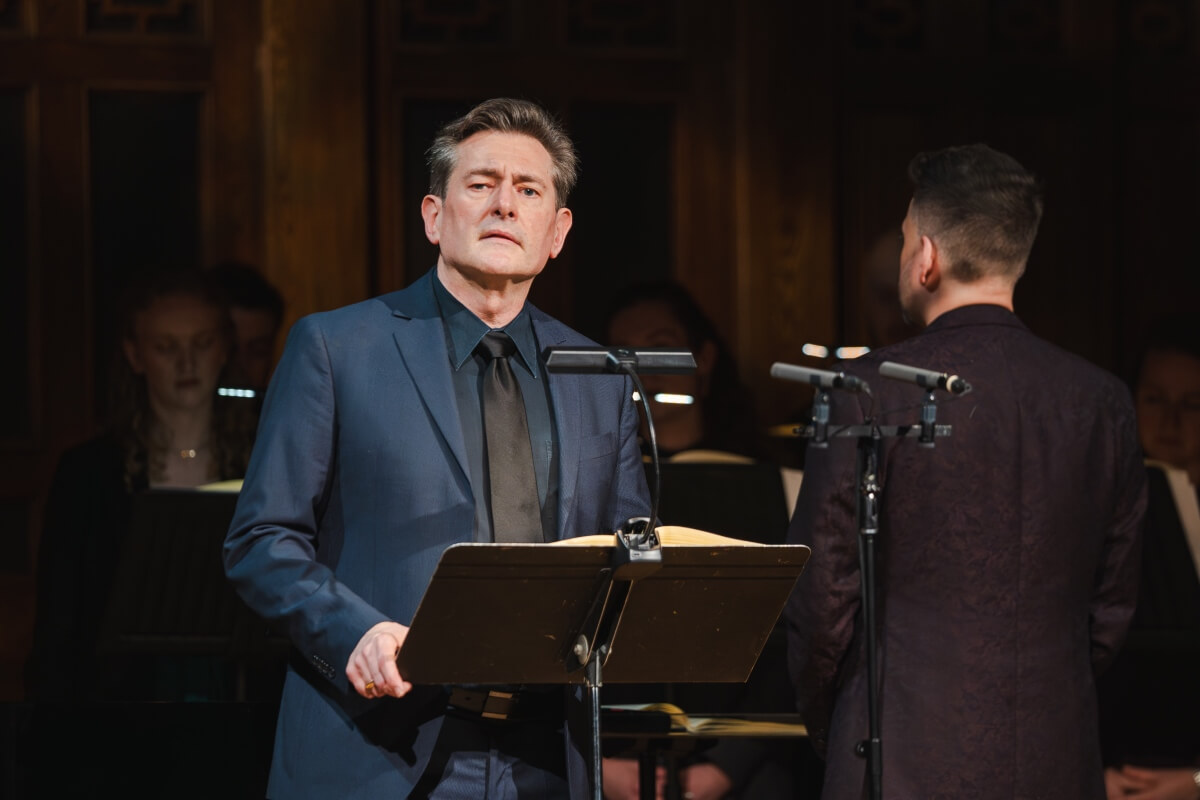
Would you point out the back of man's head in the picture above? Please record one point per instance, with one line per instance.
(980, 206)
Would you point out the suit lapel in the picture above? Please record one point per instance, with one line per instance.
(421, 339)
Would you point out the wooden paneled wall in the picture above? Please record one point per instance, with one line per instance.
(314, 122)
(135, 129)
(753, 150)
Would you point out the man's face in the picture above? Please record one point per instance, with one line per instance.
(910, 283)
(498, 222)
(1168, 408)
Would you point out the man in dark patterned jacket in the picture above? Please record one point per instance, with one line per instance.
(1007, 555)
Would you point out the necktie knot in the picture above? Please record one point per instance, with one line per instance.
(496, 344)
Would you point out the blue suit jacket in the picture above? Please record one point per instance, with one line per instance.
(357, 484)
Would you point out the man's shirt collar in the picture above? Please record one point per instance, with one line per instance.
(466, 330)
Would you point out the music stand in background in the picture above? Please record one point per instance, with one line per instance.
(744, 501)
(171, 597)
(574, 613)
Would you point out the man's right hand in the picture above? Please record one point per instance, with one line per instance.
(372, 666)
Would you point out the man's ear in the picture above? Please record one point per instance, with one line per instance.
(431, 210)
(930, 265)
(562, 224)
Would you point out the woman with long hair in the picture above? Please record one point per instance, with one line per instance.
(168, 428)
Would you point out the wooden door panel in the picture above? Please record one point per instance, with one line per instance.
(107, 164)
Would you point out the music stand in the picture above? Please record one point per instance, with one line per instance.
(745, 501)
(170, 596)
(583, 613)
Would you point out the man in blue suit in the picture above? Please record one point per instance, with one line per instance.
(372, 458)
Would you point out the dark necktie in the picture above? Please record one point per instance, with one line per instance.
(516, 515)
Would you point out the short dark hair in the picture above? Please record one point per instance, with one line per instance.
(505, 115)
(1177, 333)
(245, 287)
(981, 204)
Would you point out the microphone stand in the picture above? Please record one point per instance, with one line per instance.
(637, 552)
(869, 493)
(870, 436)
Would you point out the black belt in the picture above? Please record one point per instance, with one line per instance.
(513, 705)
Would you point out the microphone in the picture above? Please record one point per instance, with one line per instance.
(599, 360)
(819, 377)
(925, 378)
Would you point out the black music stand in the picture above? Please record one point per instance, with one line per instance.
(742, 500)
(170, 596)
(584, 613)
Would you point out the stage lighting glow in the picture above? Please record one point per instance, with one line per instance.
(674, 399)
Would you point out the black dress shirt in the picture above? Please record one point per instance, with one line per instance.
(464, 331)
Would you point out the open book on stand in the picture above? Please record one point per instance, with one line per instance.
(668, 536)
(624, 719)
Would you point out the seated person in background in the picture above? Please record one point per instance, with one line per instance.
(1150, 699)
(1168, 395)
(168, 428)
(721, 415)
(256, 308)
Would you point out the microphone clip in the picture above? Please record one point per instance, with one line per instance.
(638, 552)
(928, 421)
(819, 432)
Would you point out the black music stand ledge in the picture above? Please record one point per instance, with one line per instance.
(617, 608)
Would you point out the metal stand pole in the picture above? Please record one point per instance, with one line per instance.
(870, 438)
(594, 683)
(868, 530)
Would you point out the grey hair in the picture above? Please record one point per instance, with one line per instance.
(505, 115)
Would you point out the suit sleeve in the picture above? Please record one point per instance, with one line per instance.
(821, 612)
(1115, 596)
(271, 549)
